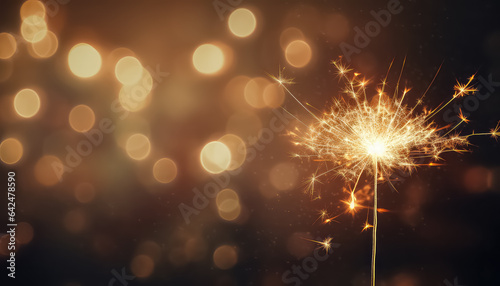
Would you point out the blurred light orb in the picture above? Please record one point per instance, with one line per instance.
(142, 266)
(24, 232)
(284, 176)
(32, 7)
(84, 60)
(8, 46)
(225, 257)
(27, 103)
(208, 59)
(237, 148)
(75, 221)
(298, 53)
(34, 28)
(138, 146)
(45, 48)
(242, 22)
(289, 35)
(128, 70)
(246, 125)
(228, 204)
(47, 170)
(215, 157)
(254, 92)
(85, 192)
(81, 118)
(136, 96)
(11, 151)
(165, 170)
(273, 95)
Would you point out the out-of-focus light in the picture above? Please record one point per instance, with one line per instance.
(45, 48)
(234, 92)
(34, 28)
(237, 148)
(274, 95)
(81, 118)
(208, 59)
(225, 257)
(478, 179)
(283, 176)
(84, 60)
(84, 192)
(8, 46)
(254, 92)
(289, 35)
(138, 146)
(215, 157)
(11, 151)
(242, 22)
(299, 244)
(75, 221)
(165, 170)
(142, 266)
(48, 170)
(151, 249)
(128, 70)
(298, 53)
(24, 232)
(246, 125)
(337, 27)
(228, 204)
(27, 103)
(32, 7)
(136, 96)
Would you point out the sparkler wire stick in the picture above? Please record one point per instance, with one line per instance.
(375, 221)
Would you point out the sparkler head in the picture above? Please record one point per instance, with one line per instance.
(359, 132)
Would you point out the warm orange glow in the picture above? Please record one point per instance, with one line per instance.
(298, 53)
(11, 151)
(81, 118)
(165, 170)
(8, 46)
(225, 257)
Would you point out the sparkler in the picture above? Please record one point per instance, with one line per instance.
(375, 136)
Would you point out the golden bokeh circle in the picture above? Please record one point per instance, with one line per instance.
(298, 53)
(242, 22)
(84, 60)
(225, 257)
(34, 28)
(8, 46)
(48, 170)
(128, 70)
(45, 48)
(208, 59)
(32, 7)
(138, 146)
(237, 148)
(11, 151)
(81, 118)
(27, 103)
(165, 170)
(215, 157)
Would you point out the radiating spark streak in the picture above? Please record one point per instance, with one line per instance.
(357, 137)
(325, 244)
